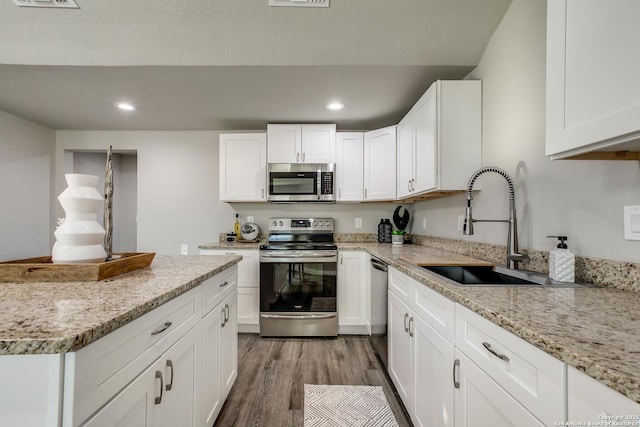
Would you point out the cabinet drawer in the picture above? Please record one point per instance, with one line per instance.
(531, 376)
(400, 285)
(216, 288)
(97, 372)
(433, 308)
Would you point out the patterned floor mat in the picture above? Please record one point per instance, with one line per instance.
(346, 405)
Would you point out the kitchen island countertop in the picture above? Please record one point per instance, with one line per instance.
(59, 317)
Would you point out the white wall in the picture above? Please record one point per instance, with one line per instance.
(26, 161)
(177, 180)
(125, 195)
(582, 199)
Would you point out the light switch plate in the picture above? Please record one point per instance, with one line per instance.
(358, 222)
(632, 222)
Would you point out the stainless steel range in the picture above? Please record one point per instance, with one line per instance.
(298, 269)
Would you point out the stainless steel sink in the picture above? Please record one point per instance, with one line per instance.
(497, 276)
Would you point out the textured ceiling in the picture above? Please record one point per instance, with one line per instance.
(234, 64)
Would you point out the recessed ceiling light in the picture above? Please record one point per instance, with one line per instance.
(125, 106)
(336, 105)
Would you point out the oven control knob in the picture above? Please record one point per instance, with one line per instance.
(281, 224)
(275, 223)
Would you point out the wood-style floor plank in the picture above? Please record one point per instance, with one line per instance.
(269, 391)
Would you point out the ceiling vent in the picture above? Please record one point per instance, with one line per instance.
(299, 3)
(66, 4)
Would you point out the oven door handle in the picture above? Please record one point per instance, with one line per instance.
(298, 259)
(298, 316)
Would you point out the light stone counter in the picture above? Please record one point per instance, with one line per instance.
(38, 317)
(596, 330)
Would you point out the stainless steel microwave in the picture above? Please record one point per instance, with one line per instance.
(301, 182)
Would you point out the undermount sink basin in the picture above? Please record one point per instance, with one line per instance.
(497, 276)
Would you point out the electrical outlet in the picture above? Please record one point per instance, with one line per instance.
(184, 249)
(358, 222)
(251, 219)
(424, 223)
(460, 222)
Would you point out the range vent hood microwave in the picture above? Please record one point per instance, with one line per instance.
(301, 182)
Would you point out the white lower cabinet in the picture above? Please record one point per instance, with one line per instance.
(452, 367)
(217, 361)
(532, 377)
(420, 358)
(481, 402)
(354, 301)
(173, 366)
(591, 401)
(163, 395)
(248, 287)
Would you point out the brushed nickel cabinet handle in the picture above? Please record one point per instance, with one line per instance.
(456, 366)
(411, 326)
(226, 313)
(496, 354)
(224, 322)
(297, 157)
(161, 329)
(170, 366)
(303, 157)
(158, 399)
(406, 316)
(225, 283)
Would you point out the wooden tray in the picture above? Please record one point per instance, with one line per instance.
(41, 269)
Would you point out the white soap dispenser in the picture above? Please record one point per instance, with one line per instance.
(562, 262)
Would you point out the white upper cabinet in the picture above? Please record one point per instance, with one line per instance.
(243, 167)
(310, 143)
(350, 166)
(380, 164)
(593, 89)
(440, 139)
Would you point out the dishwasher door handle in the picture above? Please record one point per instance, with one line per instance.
(379, 265)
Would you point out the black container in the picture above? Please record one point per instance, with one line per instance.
(384, 231)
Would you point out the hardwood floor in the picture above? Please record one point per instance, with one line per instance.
(269, 391)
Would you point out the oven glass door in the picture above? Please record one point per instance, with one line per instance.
(298, 286)
(293, 183)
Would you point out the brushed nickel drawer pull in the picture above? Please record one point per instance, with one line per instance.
(411, 326)
(406, 316)
(158, 399)
(225, 283)
(170, 385)
(456, 366)
(496, 354)
(162, 328)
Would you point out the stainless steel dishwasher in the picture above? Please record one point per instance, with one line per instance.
(379, 308)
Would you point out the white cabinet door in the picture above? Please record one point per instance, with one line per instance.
(248, 308)
(425, 154)
(399, 349)
(380, 164)
(318, 143)
(179, 370)
(209, 401)
(350, 166)
(294, 143)
(591, 401)
(405, 155)
(162, 395)
(243, 167)
(354, 301)
(284, 143)
(228, 345)
(432, 361)
(593, 90)
(480, 402)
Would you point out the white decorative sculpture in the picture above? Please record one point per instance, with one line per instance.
(79, 237)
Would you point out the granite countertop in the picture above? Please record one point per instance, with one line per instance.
(592, 329)
(232, 245)
(55, 317)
